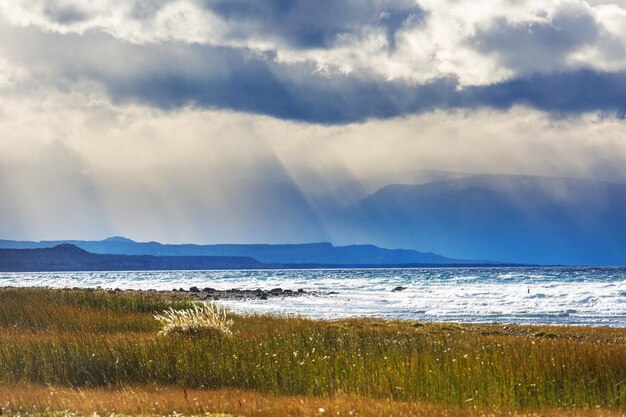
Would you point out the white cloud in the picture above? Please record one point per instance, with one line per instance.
(172, 21)
(443, 42)
(526, 37)
(11, 74)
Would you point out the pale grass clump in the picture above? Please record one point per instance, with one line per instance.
(202, 318)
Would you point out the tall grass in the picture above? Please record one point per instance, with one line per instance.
(35, 309)
(487, 366)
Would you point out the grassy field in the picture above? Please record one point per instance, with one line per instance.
(88, 351)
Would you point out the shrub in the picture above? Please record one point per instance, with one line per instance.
(201, 319)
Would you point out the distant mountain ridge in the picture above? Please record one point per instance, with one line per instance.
(301, 254)
(67, 257)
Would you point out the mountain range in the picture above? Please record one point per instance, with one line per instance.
(292, 254)
(68, 257)
(501, 218)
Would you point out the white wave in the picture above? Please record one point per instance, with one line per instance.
(533, 295)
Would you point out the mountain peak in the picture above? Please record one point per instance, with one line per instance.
(117, 239)
(68, 247)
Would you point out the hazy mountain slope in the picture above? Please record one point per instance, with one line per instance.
(349, 192)
(499, 217)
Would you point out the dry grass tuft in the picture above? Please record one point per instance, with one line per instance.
(201, 319)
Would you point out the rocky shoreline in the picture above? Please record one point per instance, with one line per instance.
(233, 294)
(238, 294)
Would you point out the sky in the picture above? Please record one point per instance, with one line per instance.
(240, 121)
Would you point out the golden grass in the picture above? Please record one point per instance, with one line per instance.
(94, 340)
(168, 400)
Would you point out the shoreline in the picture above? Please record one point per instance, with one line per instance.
(208, 294)
(193, 293)
(232, 294)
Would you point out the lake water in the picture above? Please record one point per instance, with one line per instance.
(587, 296)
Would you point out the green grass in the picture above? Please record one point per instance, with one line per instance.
(97, 338)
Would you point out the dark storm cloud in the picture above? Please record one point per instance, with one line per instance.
(173, 75)
(262, 86)
(559, 93)
(312, 23)
(345, 99)
(297, 92)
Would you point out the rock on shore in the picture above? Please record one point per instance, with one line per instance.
(239, 294)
